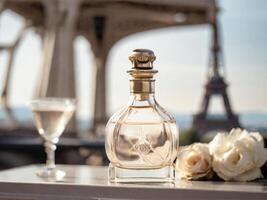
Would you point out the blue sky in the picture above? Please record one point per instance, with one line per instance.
(182, 60)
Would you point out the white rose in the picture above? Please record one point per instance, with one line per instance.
(193, 161)
(238, 155)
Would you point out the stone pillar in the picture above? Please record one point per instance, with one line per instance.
(100, 45)
(58, 74)
(100, 113)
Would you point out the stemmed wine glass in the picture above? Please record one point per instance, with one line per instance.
(51, 116)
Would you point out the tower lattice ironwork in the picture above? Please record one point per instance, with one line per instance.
(215, 86)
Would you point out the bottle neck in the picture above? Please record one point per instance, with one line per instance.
(142, 99)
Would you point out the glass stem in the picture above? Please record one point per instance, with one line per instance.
(50, 148)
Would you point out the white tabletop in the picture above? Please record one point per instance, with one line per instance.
(84, 182)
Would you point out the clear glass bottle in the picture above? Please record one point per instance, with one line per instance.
(142, 138)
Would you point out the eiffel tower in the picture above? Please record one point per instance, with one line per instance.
(215, 86)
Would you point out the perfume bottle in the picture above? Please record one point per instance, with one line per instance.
(142, 138)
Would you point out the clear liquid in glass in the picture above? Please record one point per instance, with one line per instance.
(51, 122)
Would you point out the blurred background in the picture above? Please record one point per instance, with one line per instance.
(67, 49)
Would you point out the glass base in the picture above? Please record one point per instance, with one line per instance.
(51, 173)
(165, 174)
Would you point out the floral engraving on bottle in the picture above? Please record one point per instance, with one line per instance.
(142, 146)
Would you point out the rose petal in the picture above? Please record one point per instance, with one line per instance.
(249, 175)
(216, 145)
